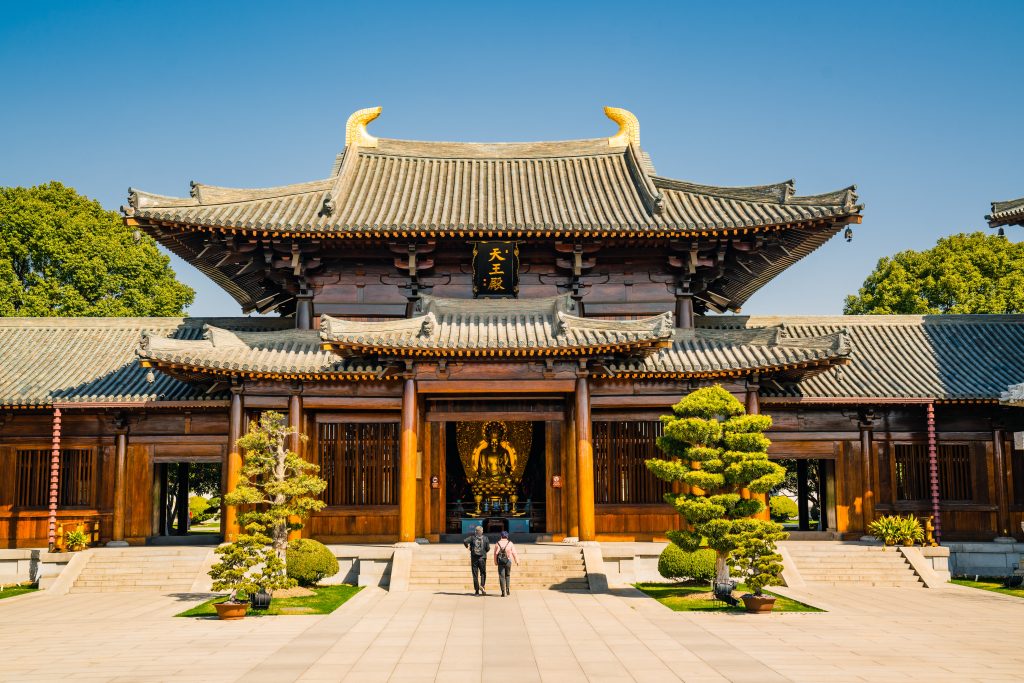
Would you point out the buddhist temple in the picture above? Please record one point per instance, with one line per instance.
(487, 333)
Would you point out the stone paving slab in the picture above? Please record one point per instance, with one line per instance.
(870, 634)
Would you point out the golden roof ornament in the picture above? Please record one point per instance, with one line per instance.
(629, 127)
(355, 128)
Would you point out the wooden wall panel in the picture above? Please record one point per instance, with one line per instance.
(634, 522)
(139, 498)
(358, 524)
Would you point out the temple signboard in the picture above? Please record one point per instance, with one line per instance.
(495, 269)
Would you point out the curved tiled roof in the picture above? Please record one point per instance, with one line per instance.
(74, 360)
(496, 327)
(709, 352)
(279, 352)
(917, 357)
(1006, 213)
(564, 187)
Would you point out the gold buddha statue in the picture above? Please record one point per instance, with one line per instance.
(493, 464)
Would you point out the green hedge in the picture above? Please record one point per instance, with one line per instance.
(309, 561)
(783, 508)
(676, 563)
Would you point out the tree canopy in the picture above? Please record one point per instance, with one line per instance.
(964, 273)
(62, 254)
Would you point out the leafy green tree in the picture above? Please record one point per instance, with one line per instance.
(965, 273)
(755, 557)
(721, 455)
(62, 254)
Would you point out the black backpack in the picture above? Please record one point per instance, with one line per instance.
(502, 554)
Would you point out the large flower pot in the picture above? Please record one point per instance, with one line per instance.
(229, 611)
(759, 604)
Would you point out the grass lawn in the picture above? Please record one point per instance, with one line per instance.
(994, 585)
(678, 597)
(11, 591)
(326, 600)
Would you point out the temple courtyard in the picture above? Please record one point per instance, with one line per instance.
(867, 634)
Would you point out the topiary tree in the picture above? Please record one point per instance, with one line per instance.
(676, 563)
(276, 486)
(309, 561)
(755, 557)
(782, 508)
(720, 454)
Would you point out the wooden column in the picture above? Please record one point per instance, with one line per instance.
(584, 462)
(802, 490)
(182, 496)
(752, 403)
(867, 504)
(823, 497)
(407, 465)
(304, 312)
(933, 471)
(295, 444)
(684, 311)
(165, 523)
(1002, 476)
(120, 483)
(233, 471)
(51, 522)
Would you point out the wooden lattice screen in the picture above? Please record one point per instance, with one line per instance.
(33, 479)
(911, 465)
(620, 476)
(76, 470)
(955, 481)
(359, 462)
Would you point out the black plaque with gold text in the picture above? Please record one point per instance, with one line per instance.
(495, 269)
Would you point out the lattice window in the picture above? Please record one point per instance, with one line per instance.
(359, 462)
(33, 479)
(911, 465)
(955, 481)
(76, 472)
(620, 475)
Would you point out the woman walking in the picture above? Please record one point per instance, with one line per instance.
(504, 556)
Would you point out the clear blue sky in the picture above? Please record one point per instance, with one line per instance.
(918, 103)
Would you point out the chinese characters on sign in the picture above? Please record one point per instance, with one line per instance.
(495, 269)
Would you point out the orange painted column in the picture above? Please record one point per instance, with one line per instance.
(229, 513)
(407, 465)
(584, 462)
(867, 504)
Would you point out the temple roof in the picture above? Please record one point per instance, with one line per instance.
(497, 327)
(73, 360)
(46, 361)
(903, 357)
(1010, 212)
(292, 353)
(703, 352)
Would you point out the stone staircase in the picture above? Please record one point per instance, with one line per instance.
(542, 566)
(835, 563)
(156, 569)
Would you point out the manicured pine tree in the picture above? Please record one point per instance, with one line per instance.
(721, 455)
(276, 486)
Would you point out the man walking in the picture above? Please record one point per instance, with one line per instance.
(478, 546)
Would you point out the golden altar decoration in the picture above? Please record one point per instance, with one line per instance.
(494, 455)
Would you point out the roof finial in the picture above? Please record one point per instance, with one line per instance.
(355, 128)
(629, 127)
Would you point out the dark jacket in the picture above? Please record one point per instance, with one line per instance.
(485, 545)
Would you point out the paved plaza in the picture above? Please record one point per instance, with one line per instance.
(878, 634)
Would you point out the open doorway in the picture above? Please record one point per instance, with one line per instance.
(187, 502)
(518, 508)
(804, 500)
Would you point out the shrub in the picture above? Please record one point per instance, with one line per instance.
(75, 540)
(782, 508)
(310, 561)
(676, 563)
(897, 530)
(199, 507)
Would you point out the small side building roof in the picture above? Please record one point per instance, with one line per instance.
(1010, 212)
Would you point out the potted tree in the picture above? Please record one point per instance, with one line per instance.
(720, 455)
(757, 561)
(278, 488)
